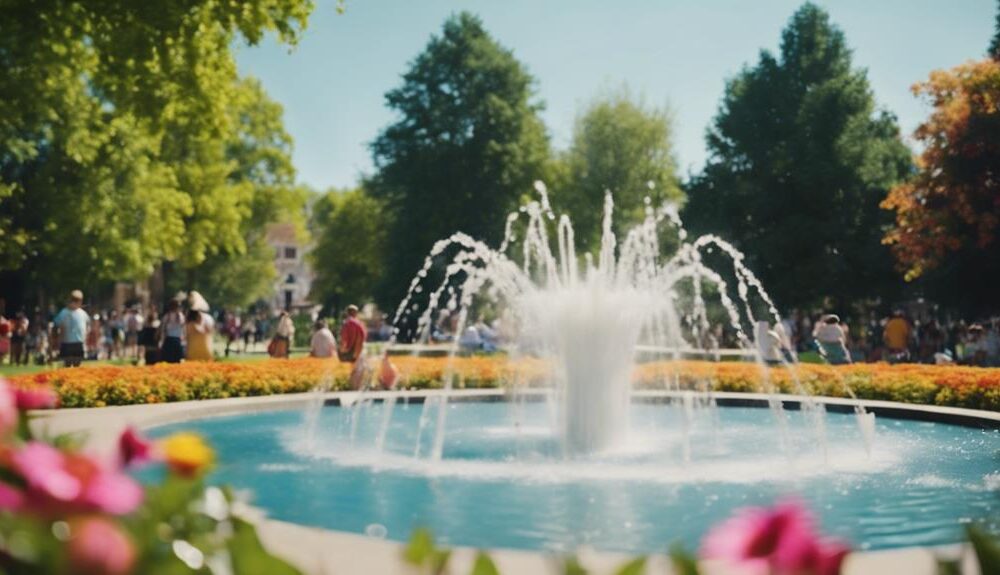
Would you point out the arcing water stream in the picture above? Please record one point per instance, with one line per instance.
(586, 315)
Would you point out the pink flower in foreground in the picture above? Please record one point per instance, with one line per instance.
(133, 448)
(35, 397)
(781, 541)
(99, 546)
(59, 482)
(11, 499)
(43, 468)
(8, 408)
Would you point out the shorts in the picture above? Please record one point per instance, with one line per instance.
(71, 351)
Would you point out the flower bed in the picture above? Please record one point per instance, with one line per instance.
(970, 387)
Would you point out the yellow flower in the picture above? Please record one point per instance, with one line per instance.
(187, 454)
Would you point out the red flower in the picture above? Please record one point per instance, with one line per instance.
(35, 397)
(133, 448)
(778, 541)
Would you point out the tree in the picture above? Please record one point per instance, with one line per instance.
(468, 143)
(995, 44)
(621, 145)
(241, 181)
(947, 217)
(92, 98)
(350, 232)
(798, 163)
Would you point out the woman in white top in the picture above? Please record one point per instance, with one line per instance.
(282, 341)
(832, 340)
(323, 343)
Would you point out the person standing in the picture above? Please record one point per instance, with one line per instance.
(116, 335)
(95, 338)
(5, 327)
(133, 325)
(199, 337)
(323, 343)
(71, 325)
(173, 333)
(352, 345)
(832, 340)
(281, 343)
(232, 329)
(896, 337)
(18, 335)
(149, 338)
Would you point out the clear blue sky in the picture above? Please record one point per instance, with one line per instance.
(673, 52)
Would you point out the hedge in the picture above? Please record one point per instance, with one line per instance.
(970, 387)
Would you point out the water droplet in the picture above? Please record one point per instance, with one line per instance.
(376, 530)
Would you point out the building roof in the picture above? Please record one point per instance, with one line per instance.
(283, 233)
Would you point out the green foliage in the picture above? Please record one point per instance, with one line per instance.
(467, 145)
(484, 565)
(249, 556)
(351, 231)
(994, 51)
(799, 162)
(636, 566)
(121, 132)
(987, 549)
(683, 561)
(236, 280)
(572, 566)
(423, 553)
(623, 146)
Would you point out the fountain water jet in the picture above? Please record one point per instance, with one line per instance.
(588, 316)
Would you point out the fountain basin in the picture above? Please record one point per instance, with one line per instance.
(504, 484)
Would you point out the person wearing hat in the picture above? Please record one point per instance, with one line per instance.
(352, 345)
(832, 340)
(71, 326)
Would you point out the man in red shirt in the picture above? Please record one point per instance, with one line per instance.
(352, 345)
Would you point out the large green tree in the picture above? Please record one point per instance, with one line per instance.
(620, 145)
(467, 144)
(350, 250)
(114, 120)
(799, 160)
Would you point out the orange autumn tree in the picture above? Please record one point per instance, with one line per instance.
(950, 210)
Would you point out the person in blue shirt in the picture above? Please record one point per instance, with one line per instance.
(71, 325)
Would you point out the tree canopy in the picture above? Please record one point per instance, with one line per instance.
(350, 232)
(620, 145)
(799, 160)
(119, 140)
(467, 144)
(947, 217)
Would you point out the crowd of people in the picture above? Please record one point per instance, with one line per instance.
(185, 330)
(898, 338)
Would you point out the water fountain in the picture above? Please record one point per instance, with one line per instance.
(587, 315)
(586, 460)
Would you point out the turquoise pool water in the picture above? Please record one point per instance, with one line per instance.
(502, 481)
